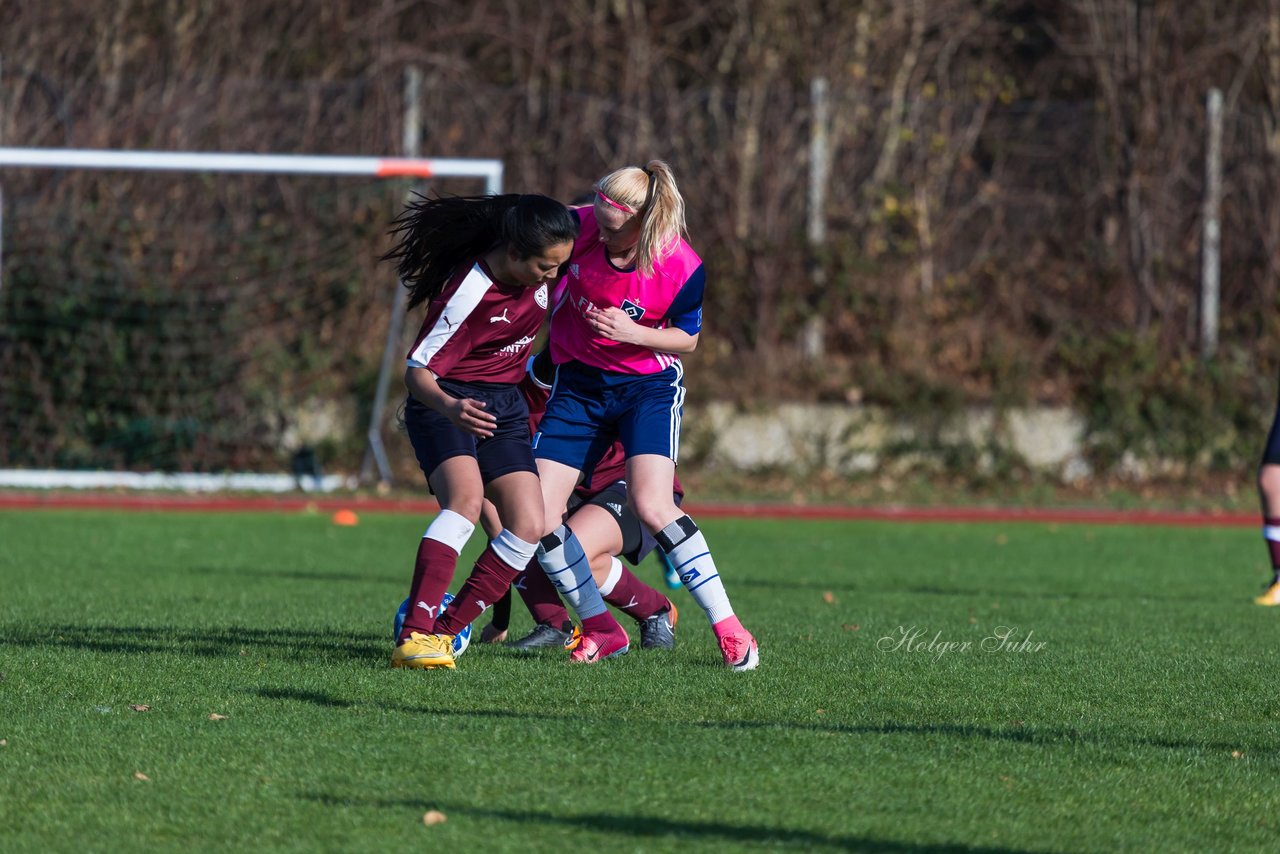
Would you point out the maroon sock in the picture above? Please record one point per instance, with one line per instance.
(600, 623)
(541, 598)
(489, 579)
(1273, 547)
(432, 572)
(635, 598)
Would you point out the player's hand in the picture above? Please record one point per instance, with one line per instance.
(470, 415)
(614, 324)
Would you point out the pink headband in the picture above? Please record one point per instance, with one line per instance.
(611, 203)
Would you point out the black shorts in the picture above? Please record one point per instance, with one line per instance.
(637, 542)
(436, 438)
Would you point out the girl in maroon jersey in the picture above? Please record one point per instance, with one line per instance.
(481, 265)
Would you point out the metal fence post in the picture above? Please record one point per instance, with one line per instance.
(1212, 229)
(411, 143)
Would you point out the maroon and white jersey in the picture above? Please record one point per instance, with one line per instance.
(479, 329)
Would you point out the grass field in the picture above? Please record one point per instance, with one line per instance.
(1133, 708)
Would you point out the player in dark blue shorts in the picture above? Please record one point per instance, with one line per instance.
(482, 267)
(600, 515)
(1269, 492)
(632, 305)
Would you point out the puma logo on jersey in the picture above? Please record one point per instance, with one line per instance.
(503, 317)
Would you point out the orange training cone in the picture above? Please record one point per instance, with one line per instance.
(346, 518)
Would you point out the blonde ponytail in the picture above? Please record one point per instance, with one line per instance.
(651, 194)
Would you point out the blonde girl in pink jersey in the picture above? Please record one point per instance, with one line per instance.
(631, 306)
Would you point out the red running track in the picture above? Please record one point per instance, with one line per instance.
(372, 504)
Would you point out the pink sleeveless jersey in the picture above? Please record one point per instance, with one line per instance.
(672, 296)
(479, 329)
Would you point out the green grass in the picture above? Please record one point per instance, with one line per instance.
(1147, 721)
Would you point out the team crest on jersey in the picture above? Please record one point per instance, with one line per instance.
(540, 297)
(633, 311)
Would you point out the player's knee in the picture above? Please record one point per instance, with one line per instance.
(467, 506)
(528, 529)
(1269, 483)
(654, 514)
(550, 522)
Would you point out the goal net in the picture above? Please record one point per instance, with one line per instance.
(228, 316)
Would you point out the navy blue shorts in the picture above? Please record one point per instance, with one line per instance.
(1271, 456)
(637, 542)
(436, 438)
(590, 409)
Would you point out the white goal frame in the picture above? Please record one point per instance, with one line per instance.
(422, 168)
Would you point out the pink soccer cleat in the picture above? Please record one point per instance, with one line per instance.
(738, 647)
(595, 645)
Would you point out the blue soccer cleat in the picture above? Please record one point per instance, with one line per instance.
(668, 571)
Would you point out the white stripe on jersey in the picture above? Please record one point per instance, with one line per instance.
(665, 360)
(460, 305)
(677, 405)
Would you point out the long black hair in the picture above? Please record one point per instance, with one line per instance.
(434, 236)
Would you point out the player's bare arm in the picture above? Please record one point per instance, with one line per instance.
(465, 413)
(616, 325)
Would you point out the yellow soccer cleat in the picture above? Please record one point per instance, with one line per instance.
(1271, 597)
(423, 652)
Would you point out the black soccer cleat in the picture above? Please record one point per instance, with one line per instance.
(659, 631)
(543, 636)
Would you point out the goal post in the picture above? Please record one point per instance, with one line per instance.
(490, 171)
(275, 164)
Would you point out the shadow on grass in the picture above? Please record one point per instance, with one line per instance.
(691, 832)
(297, 574)
(215, 642)
(866, 589)
(1013, 733)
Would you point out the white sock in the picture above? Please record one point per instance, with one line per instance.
(687, 550)
(566, 564)
(615, 575)
(452, 529)
(512, 550)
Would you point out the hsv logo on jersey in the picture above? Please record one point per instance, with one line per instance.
(633, 311)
